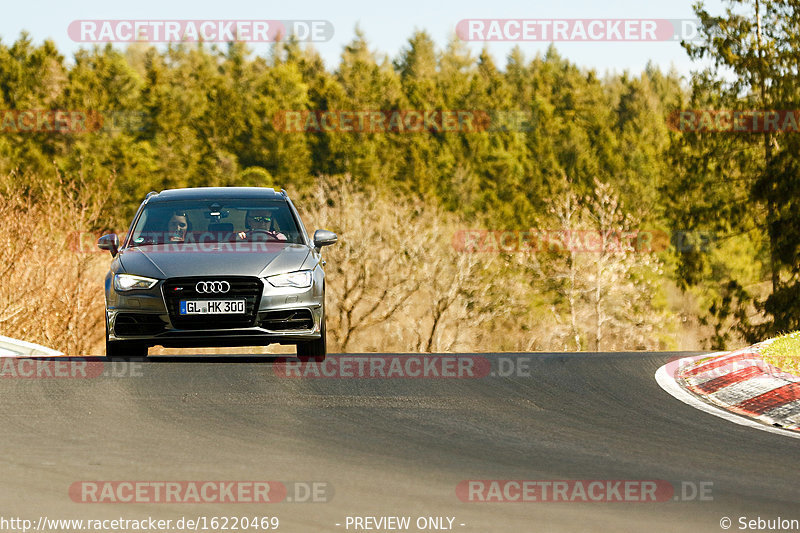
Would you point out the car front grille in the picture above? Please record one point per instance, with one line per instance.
(241, 288)
(290, 320)
(127, 324)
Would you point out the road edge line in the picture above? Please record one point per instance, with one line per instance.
(10, 347)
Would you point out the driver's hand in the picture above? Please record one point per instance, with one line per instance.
(242, 234)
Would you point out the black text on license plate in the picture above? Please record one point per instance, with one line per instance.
(212, 307)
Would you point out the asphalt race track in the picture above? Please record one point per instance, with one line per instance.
(390, 447)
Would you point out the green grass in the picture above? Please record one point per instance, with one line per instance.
(784, 353)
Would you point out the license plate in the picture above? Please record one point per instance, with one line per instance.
(212, 307)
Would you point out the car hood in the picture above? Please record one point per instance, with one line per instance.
(185, 260)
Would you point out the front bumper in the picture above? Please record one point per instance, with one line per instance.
(284, 315)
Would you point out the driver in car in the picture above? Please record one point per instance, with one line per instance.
(259, 222)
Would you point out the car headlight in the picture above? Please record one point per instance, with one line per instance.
(300, 280)
(129, 282)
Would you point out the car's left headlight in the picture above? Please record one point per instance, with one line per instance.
(300, 280)
(129, 282)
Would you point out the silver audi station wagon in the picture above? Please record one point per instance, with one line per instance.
(216, 266)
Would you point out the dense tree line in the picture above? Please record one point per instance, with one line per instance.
(200, 115)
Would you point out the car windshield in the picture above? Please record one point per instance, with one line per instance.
(218, 220)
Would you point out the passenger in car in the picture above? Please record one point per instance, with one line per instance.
(178, 226)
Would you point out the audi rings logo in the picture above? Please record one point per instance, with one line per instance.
(212, 287)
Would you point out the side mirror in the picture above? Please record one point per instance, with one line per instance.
(109, 242)
(323, 237)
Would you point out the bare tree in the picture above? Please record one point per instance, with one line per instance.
(600, 274)
(43, 268)
(373, 264)
(459, 291)
(622, 290)
(567, 212)
(395, 274)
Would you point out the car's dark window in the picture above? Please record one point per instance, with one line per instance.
(217, 220)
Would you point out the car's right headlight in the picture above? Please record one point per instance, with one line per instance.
(299, 280)
(129, 282)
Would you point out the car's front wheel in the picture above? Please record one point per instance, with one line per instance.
(315, 350)
(124, 350)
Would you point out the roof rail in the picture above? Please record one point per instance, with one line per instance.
(149, 195)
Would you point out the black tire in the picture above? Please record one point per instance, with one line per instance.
(315, 350)
(125, 350)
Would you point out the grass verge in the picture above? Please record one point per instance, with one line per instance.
(784, 353)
